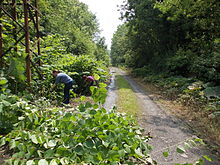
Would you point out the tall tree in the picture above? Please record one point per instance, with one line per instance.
(178, 37)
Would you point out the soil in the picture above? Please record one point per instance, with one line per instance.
(167, 130)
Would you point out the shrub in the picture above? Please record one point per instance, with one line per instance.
(86, 135)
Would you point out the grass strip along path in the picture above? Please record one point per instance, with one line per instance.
(127, 101)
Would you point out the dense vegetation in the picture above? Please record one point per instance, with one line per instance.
(74, 48)
(35, 128)
(175, 45)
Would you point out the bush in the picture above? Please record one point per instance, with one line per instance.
(180, 63)
(142, 72)
(207, 69)
(86, 135)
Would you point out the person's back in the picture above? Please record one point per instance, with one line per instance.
(63, 78)
(90, 78)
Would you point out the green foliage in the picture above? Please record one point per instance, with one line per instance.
(11, 107)
(79, 27)
(88, 135)
(188, 91)
(101, 53)
(180, 63)
(142, 72)
(119, 49)
(99, 94)
(176, 37)
(175, 45)
(71, 14)
(182, 149)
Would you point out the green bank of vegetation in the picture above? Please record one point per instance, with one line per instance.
(70, 42)
(174, 45)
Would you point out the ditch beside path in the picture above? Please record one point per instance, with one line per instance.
(168, 132)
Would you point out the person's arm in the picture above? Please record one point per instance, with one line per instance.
(97, 83)
(53, 87)
(56, 82)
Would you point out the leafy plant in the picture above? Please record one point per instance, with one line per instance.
(88, 134)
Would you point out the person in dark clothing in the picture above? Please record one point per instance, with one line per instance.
(65, 79)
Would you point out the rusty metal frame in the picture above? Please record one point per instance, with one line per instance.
(30, 12)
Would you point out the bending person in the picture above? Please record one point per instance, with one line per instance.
(65, 79)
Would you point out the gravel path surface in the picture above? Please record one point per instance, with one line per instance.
(166, 130)
(111, 95)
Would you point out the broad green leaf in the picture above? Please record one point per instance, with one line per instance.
(199, 140)
(30, 162)
(3, 81)
(52, 143)
(39, 153)
(16, 162)
(53, 162)
(1, 107)
(89, 158)
(102, 85)
(138, 132)
(48, 153)
(139, 152)
(187, 145)
(166, 154)
(2, 141)
(21, 118)
(106, 144)
(6, 103)
(12, 144)
(82, 98)
(180, 150)
(89, 143)
(121, 153)
(199, 162)
(34, 139)
(43, 162)
(96, 77)
(92, 112)
(207, 158)
(79, 149)
(64, 161)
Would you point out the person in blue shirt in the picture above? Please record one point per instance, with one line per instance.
(65, 79)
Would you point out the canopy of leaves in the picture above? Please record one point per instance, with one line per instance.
(176, 37)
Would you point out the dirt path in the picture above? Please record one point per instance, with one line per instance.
(167, 131)
(111, 96)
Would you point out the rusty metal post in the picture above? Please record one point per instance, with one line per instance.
(14, 15)
(38, 32)
(27, 42)
(1, 39)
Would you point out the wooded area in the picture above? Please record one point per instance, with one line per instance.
(174, 45)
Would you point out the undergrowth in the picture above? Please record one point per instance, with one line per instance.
(202, 98)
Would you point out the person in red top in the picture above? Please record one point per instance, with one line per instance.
(88, 78)
(88, 81)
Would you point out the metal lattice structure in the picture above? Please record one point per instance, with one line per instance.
(24, 15)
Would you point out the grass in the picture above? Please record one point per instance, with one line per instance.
(127, 101)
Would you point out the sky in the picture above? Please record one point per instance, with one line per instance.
(107, 16)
